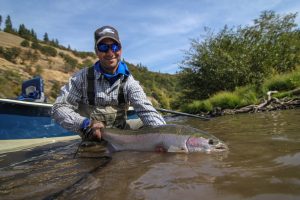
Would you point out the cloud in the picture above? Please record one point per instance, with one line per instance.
(156, 58)
(172, 25)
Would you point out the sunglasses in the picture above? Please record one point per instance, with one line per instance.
(115, 47)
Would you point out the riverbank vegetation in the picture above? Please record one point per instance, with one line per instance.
(279, 86)
(238, 66)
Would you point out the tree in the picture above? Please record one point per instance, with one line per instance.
(46, 38)
(0, 21)
(54, 42)
(240, 56)
(24, 32)
(8, 25)
(33, 35)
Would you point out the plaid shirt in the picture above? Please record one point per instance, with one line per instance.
(75, 93)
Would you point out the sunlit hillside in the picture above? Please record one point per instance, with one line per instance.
(21, 60)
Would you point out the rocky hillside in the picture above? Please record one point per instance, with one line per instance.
(21, 60)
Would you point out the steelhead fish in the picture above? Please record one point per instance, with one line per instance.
(173, 138)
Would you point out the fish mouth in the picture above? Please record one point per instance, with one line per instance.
(217, 145)
(200, 144)
(220, 147)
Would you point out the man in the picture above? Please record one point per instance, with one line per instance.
(99, 96)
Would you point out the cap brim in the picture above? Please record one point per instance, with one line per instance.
(102, 38)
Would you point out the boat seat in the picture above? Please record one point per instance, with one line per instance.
(33, 90)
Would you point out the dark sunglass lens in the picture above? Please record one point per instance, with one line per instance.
(103, 47)
(115, 47)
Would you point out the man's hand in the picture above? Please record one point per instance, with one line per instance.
(97, 128)
(94, 131)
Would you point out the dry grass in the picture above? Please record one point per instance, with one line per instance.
(9, 40)
(54, 75)
(52, 67)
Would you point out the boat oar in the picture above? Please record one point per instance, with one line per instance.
(181, 113)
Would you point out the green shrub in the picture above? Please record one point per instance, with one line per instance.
(161, 97)
(10, 83)
(86, 63)
(30, 55)
(197, 107)
(283, 82)
(70, 63)
(83, 54)
(247, 95)
(35, 45)
(25, 43)
(225, 100)
(11, 54)
(48, 51)
(2, 50)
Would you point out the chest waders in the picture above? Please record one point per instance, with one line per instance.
(111, 116)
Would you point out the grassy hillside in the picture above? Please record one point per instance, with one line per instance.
(21, 60)
(19, 63)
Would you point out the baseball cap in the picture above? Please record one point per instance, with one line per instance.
(106, 32)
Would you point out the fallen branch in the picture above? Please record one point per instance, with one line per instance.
(269, 104)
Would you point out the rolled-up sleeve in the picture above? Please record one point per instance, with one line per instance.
(143, 107)
(66, 104)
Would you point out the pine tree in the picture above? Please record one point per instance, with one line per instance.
(46, 38)
(33, 35)
(23, 31)
(26, 33)
(0, 21)
(8, 25)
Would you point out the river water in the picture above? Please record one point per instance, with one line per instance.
(263, 162)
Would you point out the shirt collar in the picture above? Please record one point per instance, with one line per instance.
(121, 70)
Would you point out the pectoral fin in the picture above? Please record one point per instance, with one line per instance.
(175, 149)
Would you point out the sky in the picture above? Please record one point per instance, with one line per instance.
(154, 33)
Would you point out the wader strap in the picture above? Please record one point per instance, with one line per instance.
(121, 98)
(91, 86)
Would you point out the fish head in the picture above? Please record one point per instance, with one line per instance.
(202, 144)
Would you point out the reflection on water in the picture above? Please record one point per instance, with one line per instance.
(263, 163)
(290, 159)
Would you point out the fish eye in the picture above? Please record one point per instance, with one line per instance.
(211, 141)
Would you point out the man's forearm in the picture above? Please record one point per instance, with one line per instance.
(65, 116)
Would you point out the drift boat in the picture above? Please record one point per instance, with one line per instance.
(26, 121)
